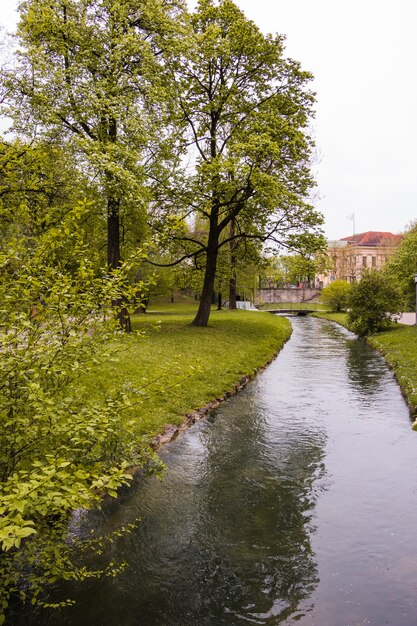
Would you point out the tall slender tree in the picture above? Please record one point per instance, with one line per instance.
(247, 109)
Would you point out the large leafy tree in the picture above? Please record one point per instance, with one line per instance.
(91, 72)
(247, 109)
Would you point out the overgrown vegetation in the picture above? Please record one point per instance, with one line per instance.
(59, 449)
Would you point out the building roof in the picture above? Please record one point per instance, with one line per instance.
(373, 238)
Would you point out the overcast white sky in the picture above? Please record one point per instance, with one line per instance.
(363, 54)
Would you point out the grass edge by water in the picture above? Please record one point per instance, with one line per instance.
(204, 365)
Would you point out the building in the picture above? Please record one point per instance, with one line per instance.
(350, 256)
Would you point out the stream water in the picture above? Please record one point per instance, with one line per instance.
(293, 503)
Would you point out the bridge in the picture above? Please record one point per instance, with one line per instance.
(292, 311)
(293, 308)
(286, 308)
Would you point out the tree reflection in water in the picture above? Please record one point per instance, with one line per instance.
(362, 366)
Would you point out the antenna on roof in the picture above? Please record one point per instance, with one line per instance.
(352, 217)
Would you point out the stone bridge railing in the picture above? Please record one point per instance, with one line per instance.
(301, 294)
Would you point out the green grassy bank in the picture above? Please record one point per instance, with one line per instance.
(179, 368)
(339, 318)
(398, 345)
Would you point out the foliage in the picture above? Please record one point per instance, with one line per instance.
(372, 302)
(297, 268)
(402, 267)
(272, 273)
(58, 450)
(247, 109)
(39, 181)
(336, 295)
(91, 73)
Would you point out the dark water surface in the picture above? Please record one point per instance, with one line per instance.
(295, 503)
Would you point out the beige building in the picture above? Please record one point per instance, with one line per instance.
(351, 255)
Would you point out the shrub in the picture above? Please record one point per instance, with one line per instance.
(59, 450)
(372, 303)
(335, 296)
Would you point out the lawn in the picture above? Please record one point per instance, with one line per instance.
(178, 368)
(339, 318)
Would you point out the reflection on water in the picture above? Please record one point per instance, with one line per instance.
(294, 503)
(365, 372)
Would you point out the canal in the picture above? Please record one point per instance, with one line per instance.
(293, 503)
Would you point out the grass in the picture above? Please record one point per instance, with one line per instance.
(339, 318)
(398, 345)
(305, 306)
(181, 368)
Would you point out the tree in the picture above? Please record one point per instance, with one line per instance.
(247, 110)
(372, 302)
(402, 267)
(336, 295)
(91, 72)
(299, 268)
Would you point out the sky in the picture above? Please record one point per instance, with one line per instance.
(363, 54)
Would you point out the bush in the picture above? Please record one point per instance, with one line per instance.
(372, 303)
(336, 295)
(59, 450)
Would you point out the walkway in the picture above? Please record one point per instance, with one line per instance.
(407, 318)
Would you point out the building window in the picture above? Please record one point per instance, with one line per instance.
(364, 261)
(374, 261)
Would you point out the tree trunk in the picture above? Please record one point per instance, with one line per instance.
(113, 256)
(219, 301)
(232, 293)
(124, 318)
(113, 233)
(203, 313)
(233, 263)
